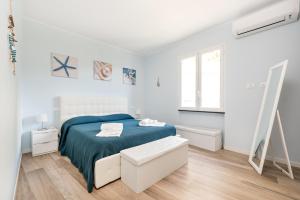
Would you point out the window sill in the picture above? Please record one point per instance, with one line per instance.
(203, 111)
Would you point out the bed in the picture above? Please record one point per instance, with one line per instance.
(98, 158)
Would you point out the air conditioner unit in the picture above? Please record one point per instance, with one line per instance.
(278, 14)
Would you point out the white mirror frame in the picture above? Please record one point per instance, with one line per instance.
(275, 113)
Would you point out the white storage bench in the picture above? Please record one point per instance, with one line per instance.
(206, 138)
(144, 165)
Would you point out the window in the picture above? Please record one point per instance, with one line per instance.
(189, 82)
(202, 82)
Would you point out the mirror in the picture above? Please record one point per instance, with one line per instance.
(267, 116)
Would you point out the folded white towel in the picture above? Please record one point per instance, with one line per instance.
(111, 130)
(151, 122)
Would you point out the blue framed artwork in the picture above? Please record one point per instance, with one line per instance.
(129, 76)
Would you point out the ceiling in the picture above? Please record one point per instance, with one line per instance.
(140, 26)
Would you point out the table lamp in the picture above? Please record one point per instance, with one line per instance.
(138, 113)
(42, 118)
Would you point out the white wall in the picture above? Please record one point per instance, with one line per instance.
(39, 89)
(9, 138)
(246, 60)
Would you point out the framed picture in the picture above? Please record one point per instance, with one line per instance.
(129, 76)
(102, 70)
(64, 66)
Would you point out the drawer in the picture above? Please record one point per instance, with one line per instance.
(38, 138)
(38, 149)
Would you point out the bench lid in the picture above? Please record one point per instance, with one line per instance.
(144, 153)
(200, 130)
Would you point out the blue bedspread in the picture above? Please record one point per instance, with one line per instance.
(79, 142)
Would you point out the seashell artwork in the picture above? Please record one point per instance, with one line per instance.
(102, 71)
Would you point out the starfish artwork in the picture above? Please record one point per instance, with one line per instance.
(64, 66)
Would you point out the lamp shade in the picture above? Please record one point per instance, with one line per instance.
(138, 112)
(42, 118)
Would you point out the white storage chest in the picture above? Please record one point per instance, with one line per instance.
(206, 138)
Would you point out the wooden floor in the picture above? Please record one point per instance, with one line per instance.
(221, 175)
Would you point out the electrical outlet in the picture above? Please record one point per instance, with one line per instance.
(250, 86)
(262, 84)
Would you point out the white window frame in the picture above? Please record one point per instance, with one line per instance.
(198, 78)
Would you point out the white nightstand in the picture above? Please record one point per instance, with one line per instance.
(44, 141)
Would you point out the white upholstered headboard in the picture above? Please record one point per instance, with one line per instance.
(101, 105)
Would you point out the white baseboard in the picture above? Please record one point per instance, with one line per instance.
(277, 159)
(26, 150)
(17, 176)
(283, 161)
(234, 149)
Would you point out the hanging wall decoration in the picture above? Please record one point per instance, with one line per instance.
(129, 76)
(102, 71)
(64, 66)
(11, 41)
(157, 82)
